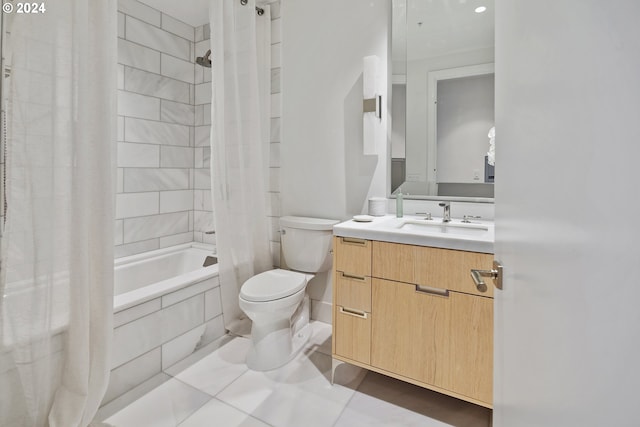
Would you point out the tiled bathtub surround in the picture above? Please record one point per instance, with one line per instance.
(273, 189)
(164, 123)
(156, 334)
(160, 198)
(202, 205)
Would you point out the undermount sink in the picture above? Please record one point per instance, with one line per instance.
(426, 226)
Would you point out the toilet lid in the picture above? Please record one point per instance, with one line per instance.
(272, 285)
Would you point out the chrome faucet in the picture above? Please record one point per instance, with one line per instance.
(446, 216)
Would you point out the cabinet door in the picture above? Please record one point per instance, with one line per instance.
(409, 331)
(471, 346)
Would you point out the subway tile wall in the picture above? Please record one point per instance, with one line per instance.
(164, 121)
(202, 204)
(156, 120)
(273, 193)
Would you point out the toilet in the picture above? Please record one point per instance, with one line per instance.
(276, 300)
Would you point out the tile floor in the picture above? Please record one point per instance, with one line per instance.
(217, 389)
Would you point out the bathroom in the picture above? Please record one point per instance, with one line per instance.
(171, 361)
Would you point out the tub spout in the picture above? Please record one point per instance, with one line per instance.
(210, 260)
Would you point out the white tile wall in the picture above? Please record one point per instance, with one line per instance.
(140, 11)
(137, 56)
(132, 373)
(138, 155)
(177, 239)
(137, 311)
(212, 304)
(138, 179)
(148, 35)
(148, 227)
(176, 68)
(202, 136)
(164, 130)
(152, 336)
(178, 28)
(127, 249)
(154, 132)
(136, 204)
(176, 157)
(151, 84)
(177, 112)
(203, 93)
(176, 201)
(135, 105)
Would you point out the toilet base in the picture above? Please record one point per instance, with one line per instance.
(273, 346)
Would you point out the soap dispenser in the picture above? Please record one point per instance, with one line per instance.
(399, 206)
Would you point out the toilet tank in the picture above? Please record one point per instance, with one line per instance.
(306, 243)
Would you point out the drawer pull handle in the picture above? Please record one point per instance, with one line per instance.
(352, 277)
(352, 241)
(432, 291)
(355, 313)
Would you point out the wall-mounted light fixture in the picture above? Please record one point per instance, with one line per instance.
(372, 103)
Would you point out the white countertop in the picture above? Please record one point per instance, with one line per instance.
(477, 236)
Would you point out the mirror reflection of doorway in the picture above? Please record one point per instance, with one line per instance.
(465, 113)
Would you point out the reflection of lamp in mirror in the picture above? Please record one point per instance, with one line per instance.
(491, 155)
(371, 105)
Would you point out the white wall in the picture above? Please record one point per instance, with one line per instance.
(323, 170)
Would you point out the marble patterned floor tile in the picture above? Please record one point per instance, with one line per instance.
(168, 405)
(216, 412)
(217, 370)
(384, 401)
(298, 394)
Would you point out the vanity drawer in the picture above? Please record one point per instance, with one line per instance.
(352, 334)
(451, 269)
(353, 256)
(353, 291)
(433, 267)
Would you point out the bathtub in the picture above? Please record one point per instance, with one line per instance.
(142, 277)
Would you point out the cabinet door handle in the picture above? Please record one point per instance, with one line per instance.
(495, 274)
(355, 313)
(352, 277)
(432, 291)
(352, 241)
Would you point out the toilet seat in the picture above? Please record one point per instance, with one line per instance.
(272, 285)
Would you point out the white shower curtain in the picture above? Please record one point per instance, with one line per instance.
(241, 43)
(57, 244)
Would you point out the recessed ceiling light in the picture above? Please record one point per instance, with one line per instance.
(480, 9)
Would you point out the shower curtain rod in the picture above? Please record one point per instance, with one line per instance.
(259, 10)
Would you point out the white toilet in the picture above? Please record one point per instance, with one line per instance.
(276, 301)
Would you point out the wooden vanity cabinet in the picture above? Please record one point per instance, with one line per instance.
(415, 315)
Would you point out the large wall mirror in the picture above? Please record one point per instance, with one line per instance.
(442, 99)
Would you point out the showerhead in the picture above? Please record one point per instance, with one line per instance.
(204, 60)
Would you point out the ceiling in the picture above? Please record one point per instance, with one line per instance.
(196, 14)
(431, 28)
